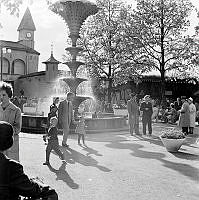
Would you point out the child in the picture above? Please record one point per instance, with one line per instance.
(53, 143)
(80, 130)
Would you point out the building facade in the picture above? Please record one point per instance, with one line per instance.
(20, 58)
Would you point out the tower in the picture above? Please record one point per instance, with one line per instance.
(51, 68)
(26, 30)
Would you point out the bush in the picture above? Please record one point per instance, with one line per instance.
(172, 134)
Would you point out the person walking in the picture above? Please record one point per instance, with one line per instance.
(192, 110)
(65, 116)
(184, 119)
(133, 114)
(11, 114)
(146, 108)
(53, 143)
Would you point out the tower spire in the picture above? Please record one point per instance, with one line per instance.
(26, 30)
(52, 49)
(27, 21)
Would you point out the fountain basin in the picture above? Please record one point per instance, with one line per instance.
(105, 124)
(35, 124)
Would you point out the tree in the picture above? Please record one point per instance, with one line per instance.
(102, 39)
(12, 7)
(157, 30)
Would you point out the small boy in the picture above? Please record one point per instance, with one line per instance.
(80, 130)
(53, 143)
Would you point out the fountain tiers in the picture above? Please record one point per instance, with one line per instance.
(74, 13)
(73, 66)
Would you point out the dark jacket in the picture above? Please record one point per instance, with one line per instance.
(147, 110)
(52, 133)
(14, 182)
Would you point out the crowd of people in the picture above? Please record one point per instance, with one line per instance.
(182, 112)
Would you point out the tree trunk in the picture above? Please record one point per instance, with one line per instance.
(109, 89)
(162, 63)
(163, 98)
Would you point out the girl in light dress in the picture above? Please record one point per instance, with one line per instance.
(80, 129)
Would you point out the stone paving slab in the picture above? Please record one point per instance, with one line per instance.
(117, 166)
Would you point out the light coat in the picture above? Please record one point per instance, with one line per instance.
(192, 109)
(12, 115)
(184, 119)
(133, 111)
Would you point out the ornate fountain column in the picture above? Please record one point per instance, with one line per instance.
(74, 13)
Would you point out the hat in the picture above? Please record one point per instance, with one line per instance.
(146, 96)
(6, 135)
(190, 99)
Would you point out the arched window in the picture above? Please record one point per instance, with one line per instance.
(6, 66)
(18, 67)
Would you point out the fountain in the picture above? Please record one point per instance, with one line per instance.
(74, 13)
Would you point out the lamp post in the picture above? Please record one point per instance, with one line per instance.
(1, 63)
(3, 50)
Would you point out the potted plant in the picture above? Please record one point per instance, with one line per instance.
(172, 139)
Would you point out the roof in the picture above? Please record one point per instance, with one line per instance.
(41, 73)
(51, 60)
(18, 46)
(27, 22)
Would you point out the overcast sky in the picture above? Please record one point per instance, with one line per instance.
(50, 28)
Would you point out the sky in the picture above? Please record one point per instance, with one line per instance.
(50, 28)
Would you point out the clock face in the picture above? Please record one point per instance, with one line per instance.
(28, 35)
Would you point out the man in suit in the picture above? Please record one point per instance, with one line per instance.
(146, 108)
(133, 114)
(65, 116)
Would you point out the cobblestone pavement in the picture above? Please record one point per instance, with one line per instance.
(117, 166)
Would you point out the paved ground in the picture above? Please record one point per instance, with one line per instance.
(117, 166)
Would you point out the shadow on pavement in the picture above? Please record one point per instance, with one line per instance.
(91, 151)
(72, 156)
(63, 175)
(186, 156)
(185, 169)
(153, 139)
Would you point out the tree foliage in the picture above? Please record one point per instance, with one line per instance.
(103, 40)
(11, 6)
(157, 30)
